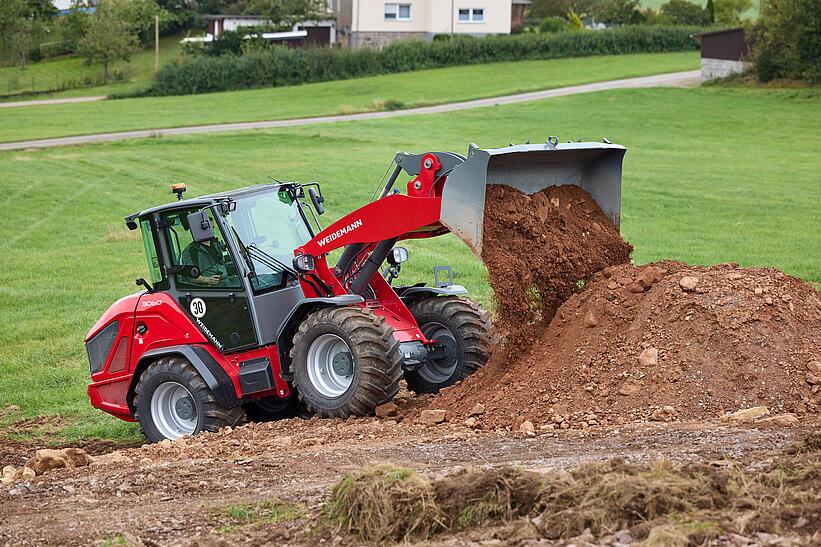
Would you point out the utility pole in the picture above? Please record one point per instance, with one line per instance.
(156, 43)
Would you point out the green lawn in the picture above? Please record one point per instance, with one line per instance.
(48, 75)
(712, 175)
(360, 95)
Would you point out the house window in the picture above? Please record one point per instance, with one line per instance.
(397, 12)
(472, 15)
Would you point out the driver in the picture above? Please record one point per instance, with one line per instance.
(208, 258)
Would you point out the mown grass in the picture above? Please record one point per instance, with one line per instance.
(711, 175)
(50, 73)
(344, 97)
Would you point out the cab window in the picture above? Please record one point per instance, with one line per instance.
(154, 270)
(212, 259)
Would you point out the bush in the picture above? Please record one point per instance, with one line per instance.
(787, 41)
(282, 66)
(552, 24)
(682, 12)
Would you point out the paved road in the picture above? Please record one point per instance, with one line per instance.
(673, 79)
(41, 102)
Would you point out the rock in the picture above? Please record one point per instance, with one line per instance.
(780, 419)
(649, 276)
(112, 458)
(310, 441)
(768, 301)
(746, 415)
(387, 410)
(477, 410)
(471, 422)
(813, 379)
(589, 320)
(9, 475)
(47, 459)
(76, 457)
(688, 283)
(26, 473)
(758, 291)
(547, 427)
(649, 357)
(432, 417)
(814, 367)
(665, 414)
(628, 390)
(527, 427)
(636, 288)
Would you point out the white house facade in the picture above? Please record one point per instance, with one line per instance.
(376, 23)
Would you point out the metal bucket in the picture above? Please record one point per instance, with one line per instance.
(596, 167)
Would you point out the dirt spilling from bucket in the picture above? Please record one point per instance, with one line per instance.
(540, 249)
(661, 342)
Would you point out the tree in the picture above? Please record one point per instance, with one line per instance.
(681, 12)
(574, 22)
(618, 12)
(22, 24)
(75, 22)
(110, 35)
(711, 11)
(141, 13)
(787, 41)
(552, 24)
(728, 12)
(284, 14)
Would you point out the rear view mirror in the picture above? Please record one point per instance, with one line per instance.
(317, 200)
(200, 225)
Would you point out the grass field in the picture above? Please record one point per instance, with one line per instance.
(48, 74)
(410, 89)
(711, 175)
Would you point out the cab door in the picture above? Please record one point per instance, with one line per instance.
(214, 296)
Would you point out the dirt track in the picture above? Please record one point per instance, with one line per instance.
(169, 494)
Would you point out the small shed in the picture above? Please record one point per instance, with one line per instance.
(723, 52)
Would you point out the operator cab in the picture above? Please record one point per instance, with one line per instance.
(226, 258)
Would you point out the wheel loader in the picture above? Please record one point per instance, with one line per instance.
(244, 315)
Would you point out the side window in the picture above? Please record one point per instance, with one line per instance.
(217, 269)
(154, 270)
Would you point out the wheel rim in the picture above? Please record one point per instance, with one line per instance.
(330, 366)
(173, 410)
(440, 370)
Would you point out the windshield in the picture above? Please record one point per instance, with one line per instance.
(268, 223)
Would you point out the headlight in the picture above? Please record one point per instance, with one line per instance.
(304, 263)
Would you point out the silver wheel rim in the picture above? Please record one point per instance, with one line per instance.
(440, 370)
(330, 366)
(173, 411)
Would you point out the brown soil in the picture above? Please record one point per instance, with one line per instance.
(635, 343)
(540, 249)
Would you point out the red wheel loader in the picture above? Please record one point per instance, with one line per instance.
(244, 316)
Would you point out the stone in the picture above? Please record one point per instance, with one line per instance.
(527, 427)
(813, 379)
(688, 283)
(665, 414)
(758, 291)
(47, 459)
(471, 422)
(386, 410)
(26, 473)
(432, 417)
(310, 441)
(628, 390)
(589, 320)
(649, 357)
(636, 288)
(814, 367)
(477, 410)
(780, 419)
(746, 414)
(9, 475)
(76, 457)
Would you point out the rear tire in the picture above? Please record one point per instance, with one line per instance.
(172, 400)
(469, 335)
(346, 362)
(273, 408)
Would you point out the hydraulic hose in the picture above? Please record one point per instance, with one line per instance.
(371, 265)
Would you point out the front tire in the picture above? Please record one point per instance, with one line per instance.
(467, 334)
(171, 400)
(346, 362)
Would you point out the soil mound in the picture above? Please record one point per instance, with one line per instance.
(660, 342)
(540, 249)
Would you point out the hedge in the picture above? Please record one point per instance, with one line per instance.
(282, 66)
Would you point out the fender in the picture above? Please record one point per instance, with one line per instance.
(207, 367)
(408, 293)
(285, 334)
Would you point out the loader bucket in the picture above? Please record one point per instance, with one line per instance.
(596, 167)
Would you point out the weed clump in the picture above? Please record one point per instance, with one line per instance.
(385, 502)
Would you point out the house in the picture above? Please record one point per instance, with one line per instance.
(518, 10)
(303, 34)
(376, 23)
(723, 52)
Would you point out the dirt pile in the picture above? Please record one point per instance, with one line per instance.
(659, 342)
(540, 249)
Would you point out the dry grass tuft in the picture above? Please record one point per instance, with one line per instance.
(119, 232)
(385, 503)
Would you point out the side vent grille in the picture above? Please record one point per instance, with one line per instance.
(99, 347)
